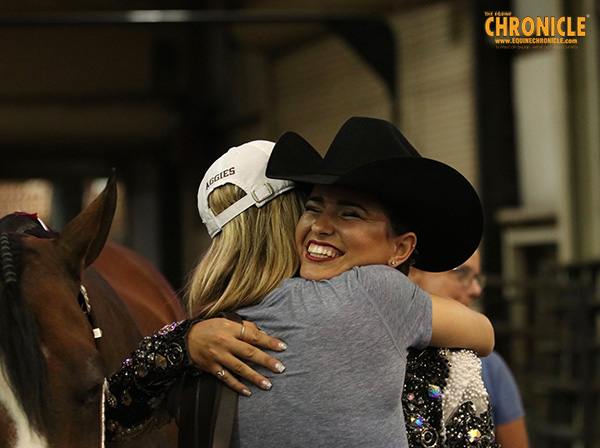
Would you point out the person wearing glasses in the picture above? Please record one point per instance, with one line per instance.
(465, 285)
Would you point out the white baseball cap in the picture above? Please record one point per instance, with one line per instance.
(243, 166)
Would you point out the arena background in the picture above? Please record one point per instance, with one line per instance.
(160, 89)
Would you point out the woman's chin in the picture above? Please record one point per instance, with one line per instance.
(319, 272)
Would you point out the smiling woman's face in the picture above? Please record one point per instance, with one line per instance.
(340, 229)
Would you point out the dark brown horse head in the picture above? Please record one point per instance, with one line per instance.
(52, 372)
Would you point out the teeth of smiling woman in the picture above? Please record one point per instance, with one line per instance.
(322, 251)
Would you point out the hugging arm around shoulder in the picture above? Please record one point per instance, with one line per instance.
(402, 306)
(457, 326)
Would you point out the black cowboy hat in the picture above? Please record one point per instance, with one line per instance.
(371, 155)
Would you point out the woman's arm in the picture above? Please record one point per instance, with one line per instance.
(135, 399)
(457, 326)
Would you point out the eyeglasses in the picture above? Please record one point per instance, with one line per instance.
(465, 276)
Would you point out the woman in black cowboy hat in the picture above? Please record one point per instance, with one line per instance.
(371, 156)
(352, 315)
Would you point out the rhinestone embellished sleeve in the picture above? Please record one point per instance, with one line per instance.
(137, 390)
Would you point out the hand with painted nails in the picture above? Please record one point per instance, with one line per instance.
(218, 347)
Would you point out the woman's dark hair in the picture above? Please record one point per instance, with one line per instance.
(400, 227)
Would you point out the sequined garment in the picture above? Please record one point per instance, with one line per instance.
(445, 402)
(135, 399)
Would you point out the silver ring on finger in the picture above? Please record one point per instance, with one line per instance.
(220, 374)
(242, 332)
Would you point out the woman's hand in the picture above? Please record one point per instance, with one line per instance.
(216, 346)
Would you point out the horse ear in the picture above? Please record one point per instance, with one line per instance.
(84, 237)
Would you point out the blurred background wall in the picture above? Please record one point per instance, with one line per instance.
(159, 93)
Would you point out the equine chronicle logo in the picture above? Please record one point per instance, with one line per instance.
(513, 33)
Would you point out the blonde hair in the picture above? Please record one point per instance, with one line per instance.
(249, 258)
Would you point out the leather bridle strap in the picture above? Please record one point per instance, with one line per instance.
(86, 307)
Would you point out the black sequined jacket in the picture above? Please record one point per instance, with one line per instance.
(135, 399)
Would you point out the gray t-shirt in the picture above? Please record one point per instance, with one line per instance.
(348, 339)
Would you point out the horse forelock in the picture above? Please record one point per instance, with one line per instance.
(25, 224)
(23, 361)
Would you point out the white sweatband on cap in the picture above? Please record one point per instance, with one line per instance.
(243, 166)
